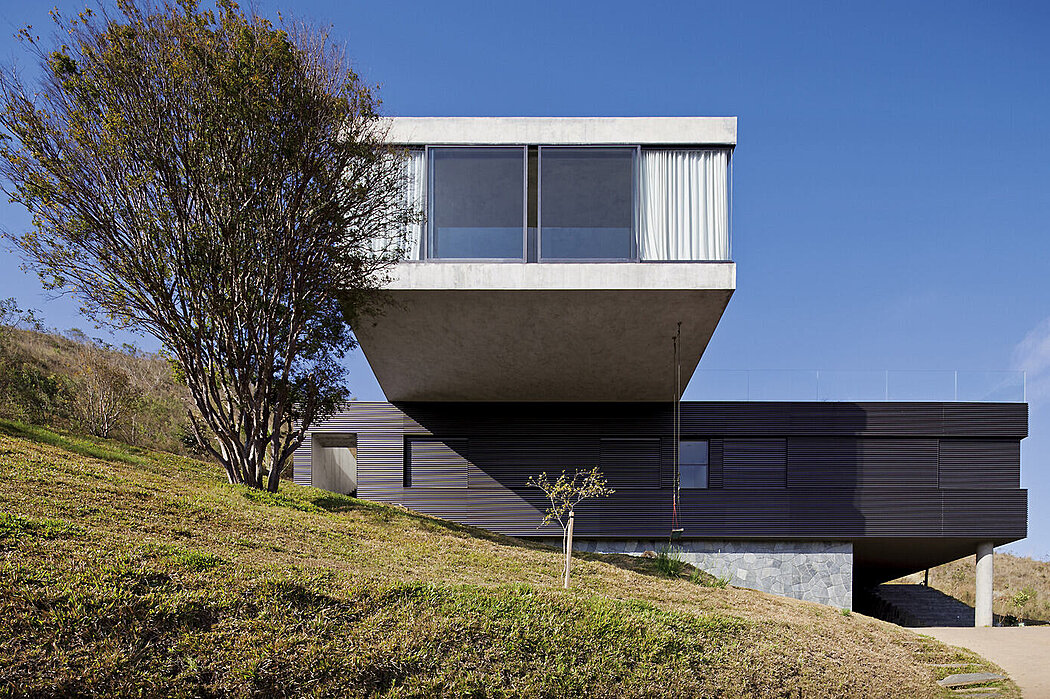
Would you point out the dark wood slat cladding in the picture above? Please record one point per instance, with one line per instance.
(435, 463)
(667, 462)
(512, 460)
(980, 463)
(837, 462)
(753, 463)
(630, 463)
(776, 470)
(715, 470)
(1004, 420)
(973, 512)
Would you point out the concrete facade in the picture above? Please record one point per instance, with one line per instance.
(547, 331)
(478, 331)
(563, 276)
(814, 571)
(985, 576)
(556, 131)
(333, 463)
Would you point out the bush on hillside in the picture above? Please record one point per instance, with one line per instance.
(88, 386)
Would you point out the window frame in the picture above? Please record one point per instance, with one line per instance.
(707, 466)
(431, 233)
(635, 150)
(427, 244)
(406, 459)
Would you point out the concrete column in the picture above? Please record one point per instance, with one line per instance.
(985, 576)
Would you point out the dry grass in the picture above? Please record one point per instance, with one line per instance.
(1021, 588)
(43, 380)
(130, 572)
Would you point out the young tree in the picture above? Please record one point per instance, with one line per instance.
(222, 184)
(565, 494)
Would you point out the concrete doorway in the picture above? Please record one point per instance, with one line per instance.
(333, 463)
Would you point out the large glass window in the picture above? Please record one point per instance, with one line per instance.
(692, 463)
(586, 203)
(477, 207)
(532, 202)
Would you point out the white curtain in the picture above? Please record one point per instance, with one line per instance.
(683, 203)
(416, 193)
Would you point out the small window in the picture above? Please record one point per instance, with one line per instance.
(692, 463)
(435, 463)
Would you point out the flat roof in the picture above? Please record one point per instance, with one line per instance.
(645, 131)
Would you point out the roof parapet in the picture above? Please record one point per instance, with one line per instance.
(645, 131)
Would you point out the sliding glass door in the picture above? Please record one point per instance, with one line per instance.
(477, 203)
(586, 203)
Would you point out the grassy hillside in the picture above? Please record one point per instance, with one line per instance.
(1021, 588)
(74, 382)
(127, 572)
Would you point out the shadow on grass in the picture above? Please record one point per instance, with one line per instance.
(333, 502)
(77, 445)
(651, 568)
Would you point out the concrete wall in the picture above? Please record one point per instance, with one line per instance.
(563, 130)
(815, 571)
(334, 467)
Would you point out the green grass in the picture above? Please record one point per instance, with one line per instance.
(669, 561)
(133, 573)
(15, 527)
(107, 450)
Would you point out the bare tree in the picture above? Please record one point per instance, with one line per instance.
(565, 494)
(105, 396)
(222, 184)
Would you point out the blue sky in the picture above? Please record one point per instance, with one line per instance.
(892, 178)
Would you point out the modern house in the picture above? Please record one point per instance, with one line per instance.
(533, 332)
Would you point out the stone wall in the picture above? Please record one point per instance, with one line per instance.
(816, 571)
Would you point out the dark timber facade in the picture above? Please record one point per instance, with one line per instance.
(909, 485)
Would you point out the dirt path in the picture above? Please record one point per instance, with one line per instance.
(1023, 652)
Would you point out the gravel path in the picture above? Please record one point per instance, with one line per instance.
(1023, 652)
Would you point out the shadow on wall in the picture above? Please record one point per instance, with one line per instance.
(763, 484)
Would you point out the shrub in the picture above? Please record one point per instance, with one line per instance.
(669, 561)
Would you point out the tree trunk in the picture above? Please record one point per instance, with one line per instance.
(273, 480)
(568, 547)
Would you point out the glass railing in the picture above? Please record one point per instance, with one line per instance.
(858, 386)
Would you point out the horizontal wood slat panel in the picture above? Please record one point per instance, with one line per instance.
(840, 463)
(723, 419)
(435, 463)
(630, 463)
(715, 468)
(980, 463)
(753, 463)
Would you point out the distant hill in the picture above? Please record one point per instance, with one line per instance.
(130, 572)
(1021, 588)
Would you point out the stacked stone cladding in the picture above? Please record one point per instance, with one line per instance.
(815, 571)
